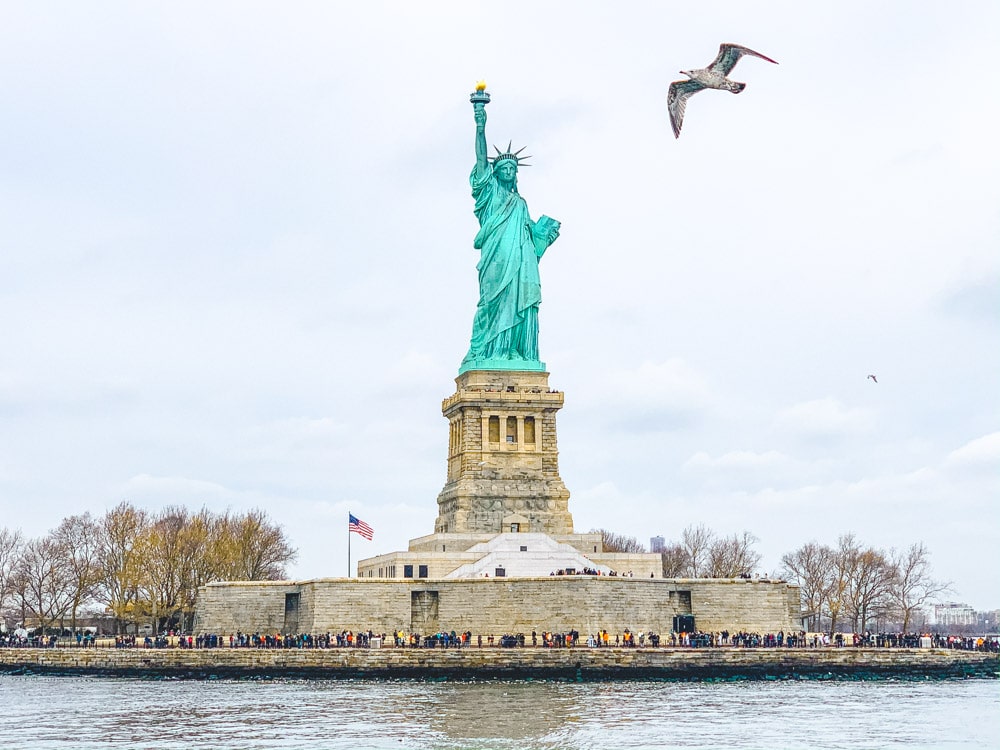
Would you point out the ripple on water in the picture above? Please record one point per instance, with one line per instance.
(88, 713)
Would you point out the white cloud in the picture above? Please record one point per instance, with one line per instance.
(823, 418)
(655, 396)
(920, 488)
(983, 451)
(297, 429)
(603, 493)
(176, 490)
(738, 460)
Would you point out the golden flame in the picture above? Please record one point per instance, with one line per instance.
(481, 86)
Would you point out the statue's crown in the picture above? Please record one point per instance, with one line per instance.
(508, 155)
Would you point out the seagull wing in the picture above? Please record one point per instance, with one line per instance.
(677, 96)
(730, 54)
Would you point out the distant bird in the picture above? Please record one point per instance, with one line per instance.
(873, 378)
(712, 77)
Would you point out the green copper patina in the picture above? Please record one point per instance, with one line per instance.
(505, 327)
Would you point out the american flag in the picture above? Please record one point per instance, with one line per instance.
(359, 527)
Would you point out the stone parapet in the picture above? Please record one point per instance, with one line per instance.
(579, 663)
(485, 398)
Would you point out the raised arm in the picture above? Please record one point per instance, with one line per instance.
(479, 112)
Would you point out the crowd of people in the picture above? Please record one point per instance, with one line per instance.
(592, 572)
(544, 639)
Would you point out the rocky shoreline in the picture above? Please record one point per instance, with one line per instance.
(515, 663)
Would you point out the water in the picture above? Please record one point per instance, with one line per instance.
(85, 713)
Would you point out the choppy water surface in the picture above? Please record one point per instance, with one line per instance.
(85, 713)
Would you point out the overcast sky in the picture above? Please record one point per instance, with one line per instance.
(236, 264)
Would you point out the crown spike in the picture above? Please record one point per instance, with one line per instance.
(509, 155)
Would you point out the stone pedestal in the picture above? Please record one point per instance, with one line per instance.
(503, 461)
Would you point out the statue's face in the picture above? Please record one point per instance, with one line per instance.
(507, 172)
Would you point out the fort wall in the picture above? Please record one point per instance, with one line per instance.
(583, 603)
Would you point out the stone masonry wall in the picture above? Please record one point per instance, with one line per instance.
(566, 663)
(498, 605)
(250, 606)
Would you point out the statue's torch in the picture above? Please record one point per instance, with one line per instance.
(479, 97)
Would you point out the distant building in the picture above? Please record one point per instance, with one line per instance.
(656, 544)
(952, 613)
(989, 620)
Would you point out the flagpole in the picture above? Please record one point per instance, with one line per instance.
(348, 544)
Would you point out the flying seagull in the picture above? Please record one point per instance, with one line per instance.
(873, 378)
(712, 77)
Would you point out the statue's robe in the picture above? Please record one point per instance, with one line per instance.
(505, 326)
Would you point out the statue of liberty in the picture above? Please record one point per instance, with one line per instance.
(505, 327)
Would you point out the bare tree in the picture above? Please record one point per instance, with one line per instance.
(206, 547)
(913, 585)
(869, 587)
(10, 550)
(262, 551)
(675, 561)
(138, 566)
(839, 583)
(123, 529)
(809, 567)
(619, 542)
(251, 548)
(197, 560)
(162, 583)
(45, 584)
(696, 541)
(78, 539)
(732, 556)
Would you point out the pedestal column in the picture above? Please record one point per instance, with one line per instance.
(503, 458)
